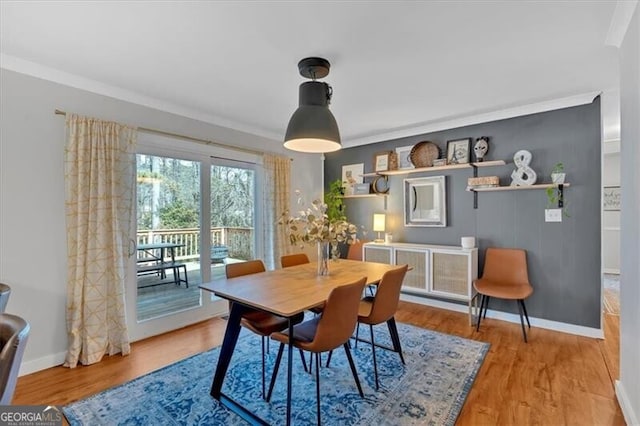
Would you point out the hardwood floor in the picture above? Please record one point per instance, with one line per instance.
(555, 379)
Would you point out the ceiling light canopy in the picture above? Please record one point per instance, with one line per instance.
(312, 127)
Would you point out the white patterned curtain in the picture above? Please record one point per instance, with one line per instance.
(99, 180)
(277, 173)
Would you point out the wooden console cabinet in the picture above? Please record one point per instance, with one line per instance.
(442, 271)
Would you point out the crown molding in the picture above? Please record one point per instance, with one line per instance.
(534, 108)
(620, 20)
(33, 69)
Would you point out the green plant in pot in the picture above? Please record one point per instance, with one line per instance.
(558, 174)
(334, 200)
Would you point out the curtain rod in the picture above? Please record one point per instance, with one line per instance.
(189, 138)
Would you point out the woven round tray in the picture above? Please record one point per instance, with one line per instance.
(423, 153)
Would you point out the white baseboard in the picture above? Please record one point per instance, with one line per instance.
(611, 271)
(579, 330)
(625, 405)
(53, 360)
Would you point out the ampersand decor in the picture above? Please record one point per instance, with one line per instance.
(523, 175)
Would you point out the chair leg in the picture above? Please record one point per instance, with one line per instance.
(373, 351)
(318, 385)
(395, 337)
(329, 357)
(480, 313)
(357, 331)
(275, 371)
(524, 308)
(304, 362)
(353, 369)
(524, 332)
(486, 306)
(264, 396)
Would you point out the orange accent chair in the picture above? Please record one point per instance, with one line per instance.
(326, 332)
(504, 276)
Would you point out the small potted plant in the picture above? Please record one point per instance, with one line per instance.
(558, 174)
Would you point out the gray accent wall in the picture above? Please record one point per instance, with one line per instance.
(563, 258)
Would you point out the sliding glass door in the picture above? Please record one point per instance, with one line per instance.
(195, 213)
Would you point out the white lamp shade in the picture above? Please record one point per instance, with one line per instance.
(378, 222)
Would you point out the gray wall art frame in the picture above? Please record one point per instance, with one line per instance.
(425, 201)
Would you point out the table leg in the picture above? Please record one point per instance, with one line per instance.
(163, 273)
(228, 345)
(290, 371)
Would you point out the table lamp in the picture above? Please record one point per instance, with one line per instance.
(378, 225)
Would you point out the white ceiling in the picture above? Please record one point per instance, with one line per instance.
(396, 66)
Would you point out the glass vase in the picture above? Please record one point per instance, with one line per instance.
(323, 257)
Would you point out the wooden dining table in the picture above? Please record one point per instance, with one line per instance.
(283, 292)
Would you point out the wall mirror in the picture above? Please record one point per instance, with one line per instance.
(425, 201)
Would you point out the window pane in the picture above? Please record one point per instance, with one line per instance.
(232, 217)
(168, 235)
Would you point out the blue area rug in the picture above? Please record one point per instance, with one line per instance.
(430, 389)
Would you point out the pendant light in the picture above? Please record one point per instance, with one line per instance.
(312, 127)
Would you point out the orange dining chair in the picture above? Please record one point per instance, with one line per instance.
(289, 260)
(295, 259)
(259, 322)
(504, 276)
(381, 308)
(355, 253)
(355, 250)
(325, 333)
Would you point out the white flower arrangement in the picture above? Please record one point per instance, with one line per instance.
(312, 225)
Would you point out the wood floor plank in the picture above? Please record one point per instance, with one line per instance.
(554, 379)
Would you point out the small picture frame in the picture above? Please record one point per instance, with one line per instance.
(351, 176)
(404, 160)
(381, 161)
(458, 151)
(611, 198)
(361, 189)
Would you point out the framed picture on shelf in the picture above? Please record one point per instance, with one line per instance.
(404, 160)
(458, 151)
(611, 198)
(351, 175)
(381, 161)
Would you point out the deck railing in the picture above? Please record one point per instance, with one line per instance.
(239, 241)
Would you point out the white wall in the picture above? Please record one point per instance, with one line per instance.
(628, 388)
(32, 222)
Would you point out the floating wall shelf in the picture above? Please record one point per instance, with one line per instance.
(442, 168)
(364, 196)
(518, 188)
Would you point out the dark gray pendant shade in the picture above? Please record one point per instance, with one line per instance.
(312, 127)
